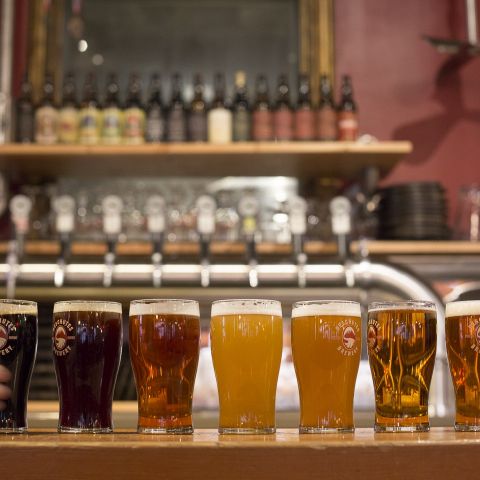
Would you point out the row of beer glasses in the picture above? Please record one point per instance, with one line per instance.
(246, 344)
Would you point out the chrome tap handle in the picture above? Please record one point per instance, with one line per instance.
(155, 212)
(112, 207)
(248, 207)
(64, 208)
(206, 207)
(341, 210)
(298, 227)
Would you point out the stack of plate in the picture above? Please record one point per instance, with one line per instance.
(413, 211)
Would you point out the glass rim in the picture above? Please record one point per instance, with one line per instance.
(309, 308)
(462, 308)
(246, 306)
(426, 305)
(14, 301)
(151, 301)
(12, 306)
(164, 306)
(106, 306)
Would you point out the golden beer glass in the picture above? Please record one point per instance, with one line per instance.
(326, 348)
(402, 341)
(462, 332)
(246, 341)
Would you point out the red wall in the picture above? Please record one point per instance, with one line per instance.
(400, 91)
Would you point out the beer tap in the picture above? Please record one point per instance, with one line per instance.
(112, 207)
(64, 208)
(20, 208)
(248, 208)
(340, 210)
(298, 228)
(155, 211)
(206, 207)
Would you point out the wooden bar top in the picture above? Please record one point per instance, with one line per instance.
(439, 454)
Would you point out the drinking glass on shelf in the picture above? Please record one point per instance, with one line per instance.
(467, 222)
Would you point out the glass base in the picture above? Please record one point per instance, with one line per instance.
(13, 430)
(410, 428)
(325, 430)
(186, 430)
(84, 430)
(246, 431)
(465, 427)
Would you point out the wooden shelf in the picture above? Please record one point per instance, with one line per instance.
(315, 248)
(297, 159)
(441, 454)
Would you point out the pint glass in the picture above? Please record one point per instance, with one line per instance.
(87, 345)
(246, 340)
(326, 347)
(164, 351)
(462, 324)
(18, 348)
(402, 341)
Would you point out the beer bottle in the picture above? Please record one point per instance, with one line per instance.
(68, 115)
(197, 119)
(282, 114)
(90, 114)
(304, 117)
(219, 116)
(242, 123)
(46, 116)
(326, 115)
(155, 126)
(112, 124)
(24, 131)
(176, 115)
(347, 112)
(134, 130)
(262, 124)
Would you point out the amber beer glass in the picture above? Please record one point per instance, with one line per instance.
(462, 325)
(326, 347)
(87, 345)
(164, 350)
(18, 348)
(246, 340)
(402, 341)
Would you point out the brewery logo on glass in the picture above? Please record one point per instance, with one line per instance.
(372, 336)
(349, 331)
(62, 337)
(8, 336)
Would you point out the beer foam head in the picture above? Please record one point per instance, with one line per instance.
(421, 305)
(463, 309)
(326, 307)
(87, 306)
(165, 307)
(247, 307)
(19, 307)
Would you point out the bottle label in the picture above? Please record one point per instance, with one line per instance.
(134, 132)
(68, 125)
(8, 337)
(89, 125)
(262, 125)
(155, 128)
(347, 126)
(283, 124)
(63, 337)
(219, 125)
(242, 126)
(327, 124)
(304, 124)
(177, 131)
(197, 126)
(112, 126)
(46, 125)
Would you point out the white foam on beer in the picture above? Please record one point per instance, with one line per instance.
(462, 309)
(412, 305)
(346, 309)
(81, 306)
(165, 307)
(247, 307)
(13, 308)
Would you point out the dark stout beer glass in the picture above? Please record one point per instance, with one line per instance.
(164, 338)
(462, 332)
(18, 349)
(87, 345)
(402, 341)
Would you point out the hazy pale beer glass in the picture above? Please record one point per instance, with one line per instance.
(87, 346)
(18, 348)
(402, 341)
(462, 324)
(246, 340)
(164, 350)
(326, 347)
